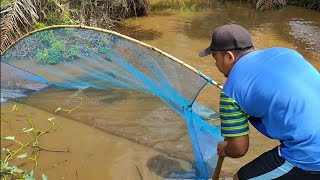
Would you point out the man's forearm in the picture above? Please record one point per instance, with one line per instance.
(233, 152)
(237, 146)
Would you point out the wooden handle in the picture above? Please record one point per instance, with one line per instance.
(218, 168)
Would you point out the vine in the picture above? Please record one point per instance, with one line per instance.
(8, 170)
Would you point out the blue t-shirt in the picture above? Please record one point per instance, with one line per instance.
(280, 93)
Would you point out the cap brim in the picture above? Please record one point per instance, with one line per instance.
(206, 52)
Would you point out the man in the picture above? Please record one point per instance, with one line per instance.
(278, 91)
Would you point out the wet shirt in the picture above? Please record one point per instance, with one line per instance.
(278, 91)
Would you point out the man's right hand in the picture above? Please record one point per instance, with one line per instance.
(222, 148)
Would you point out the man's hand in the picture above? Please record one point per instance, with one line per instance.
(222, 148)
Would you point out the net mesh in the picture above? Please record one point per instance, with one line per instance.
(112, 67)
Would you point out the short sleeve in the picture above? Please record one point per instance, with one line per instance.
(234, 121)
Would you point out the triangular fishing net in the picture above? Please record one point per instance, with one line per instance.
(115, 67)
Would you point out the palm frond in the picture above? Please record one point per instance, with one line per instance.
(20, 13)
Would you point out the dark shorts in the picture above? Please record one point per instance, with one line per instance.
(271, 166)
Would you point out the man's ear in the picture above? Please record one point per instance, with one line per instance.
(231, 57)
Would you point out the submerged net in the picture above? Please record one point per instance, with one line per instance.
(107, 67)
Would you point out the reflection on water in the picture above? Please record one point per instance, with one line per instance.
(294, 27)
(307, 32)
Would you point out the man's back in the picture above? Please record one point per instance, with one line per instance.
(282, 90)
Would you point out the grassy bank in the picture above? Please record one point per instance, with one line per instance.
(21, 16)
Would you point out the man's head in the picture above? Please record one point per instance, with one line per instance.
(229, 43)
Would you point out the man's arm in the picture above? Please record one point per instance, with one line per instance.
(233, 147)
(234, 127)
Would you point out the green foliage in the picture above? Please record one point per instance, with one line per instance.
(56, 50)
(60, 13)
(58, 18)
(13, 172)
(39, 25)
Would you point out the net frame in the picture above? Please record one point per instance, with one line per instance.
(210, 80)
(206, 78)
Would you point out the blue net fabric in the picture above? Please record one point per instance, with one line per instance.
(83, 58)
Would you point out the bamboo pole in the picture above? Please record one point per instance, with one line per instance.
(124, 37)
(218, 168)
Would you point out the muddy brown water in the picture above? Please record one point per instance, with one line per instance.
(99, 140)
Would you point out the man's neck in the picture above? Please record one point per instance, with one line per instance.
(244, 53)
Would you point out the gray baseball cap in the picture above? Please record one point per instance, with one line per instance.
(228, 37)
